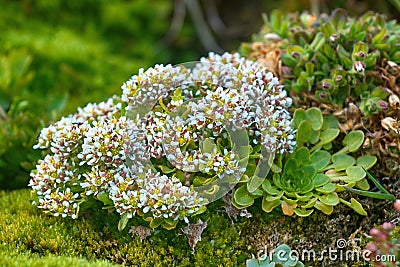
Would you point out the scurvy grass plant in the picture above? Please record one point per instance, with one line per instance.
(313, 176)
(177, 139)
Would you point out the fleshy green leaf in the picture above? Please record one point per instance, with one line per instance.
(123, 221)
(342, 161)
(355, 174)
(358, 207)
(268, 206)
(366, 161)
(303, 132)
(314, 117)
(326, 189)
(320, 180)
(320, 159)
(299, 116)
(353, 140)
(324, 208)
(331, 199)
(242, 197)
(103, 197)
(267, 187)
(329, 135)
(303, 212)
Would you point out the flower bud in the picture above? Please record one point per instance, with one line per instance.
(387, 226)
(333, 37)
(359, 66)
(397, 205)
(339, 78)
(394, 101)
(371, 247)
(326, 85)
(295, 54)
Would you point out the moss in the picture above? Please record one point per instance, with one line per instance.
(31, 236)
(28, 233)
(31, 260)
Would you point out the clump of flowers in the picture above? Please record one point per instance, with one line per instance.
(178, 138)
(384, 250)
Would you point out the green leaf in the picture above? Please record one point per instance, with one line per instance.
(271, 198)
(208, 146)
(331, 199)
(165, 169)
(327, 188)
(330, 121)
(357, 207)
(295, 48)
(242, 197)
(303, 212)
(123, 221)
(268, 206)
(302, 155)
(320, 159)
(103, 197)
(303, 132)
(366, 161)
(310, 203)
(169, 223)
(299, 116)
(288, 60)
(342, 161)
(314, 137)
(355, 174)
(320, 179)
(314, 117)
(254, 183)
(363, 184)
(324, 208)
(267, 187)
(353, 140)
(329, 135)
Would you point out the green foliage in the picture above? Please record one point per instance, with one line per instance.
(338, 57)
(316, 173)
(32, 260)
(282, 257)
(58, 55)
(28, 233)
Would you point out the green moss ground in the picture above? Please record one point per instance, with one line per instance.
(30, 238)
(26, 233)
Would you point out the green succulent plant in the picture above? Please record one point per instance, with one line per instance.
(336, 57)
(316, 173)
(282, 257)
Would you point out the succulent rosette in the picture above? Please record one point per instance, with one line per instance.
(178, 138)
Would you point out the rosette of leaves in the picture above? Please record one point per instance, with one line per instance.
(314, 175)
(282, 257)
(336, 57)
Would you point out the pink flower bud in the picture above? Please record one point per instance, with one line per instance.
(387, 226)
(397, 205)
(371, 246)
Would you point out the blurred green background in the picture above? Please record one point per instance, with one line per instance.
(56, 55)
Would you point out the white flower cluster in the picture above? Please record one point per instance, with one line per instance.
(87, 151)
(175, 116)
(151, 193)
